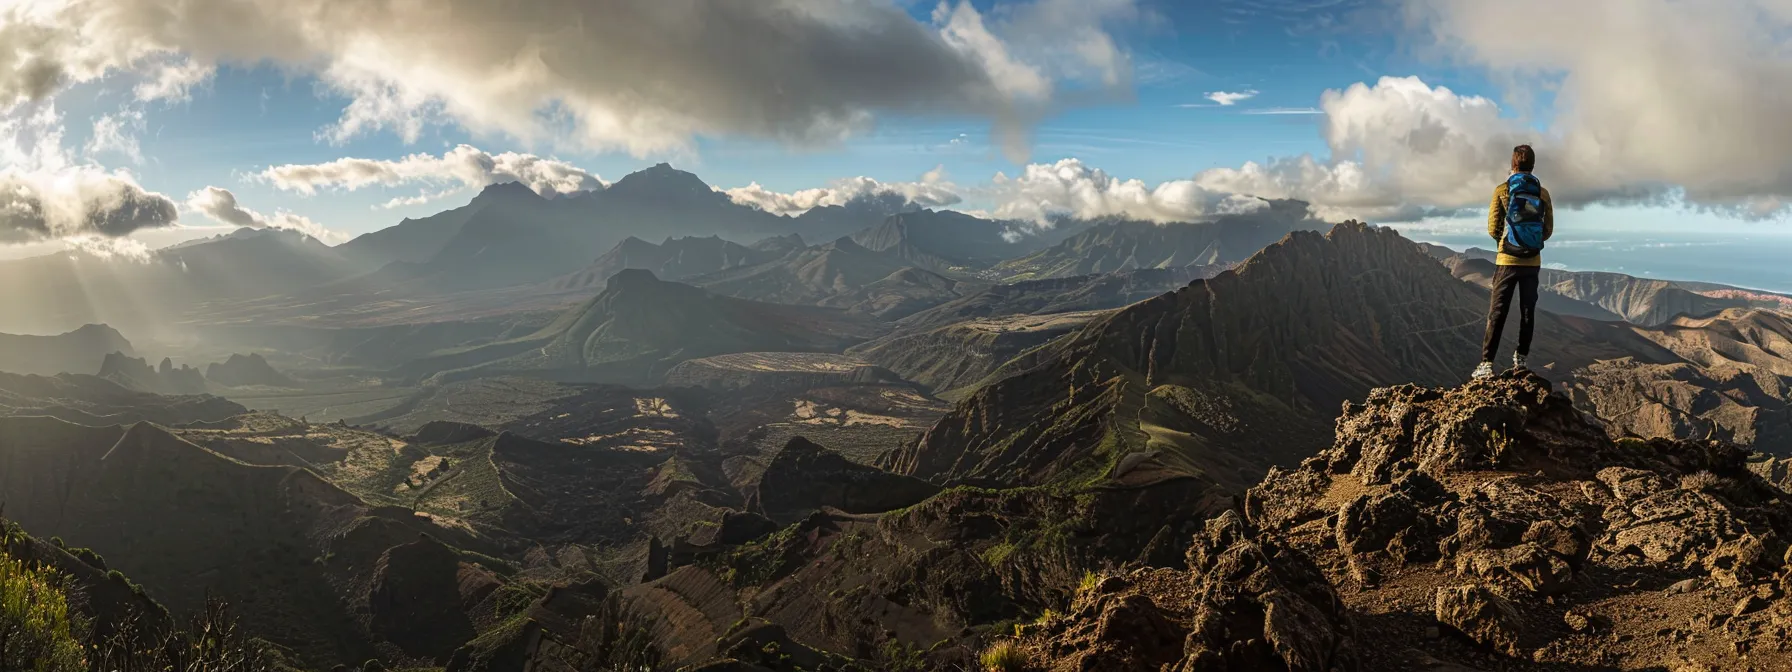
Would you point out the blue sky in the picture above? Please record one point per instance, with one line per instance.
(266, 108)
(244, 120)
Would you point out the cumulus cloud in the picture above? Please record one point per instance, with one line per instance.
(78, 201)
(933, 191)
(221, 206)
(45, 195)
(1229, 98)
(464, 166)
(1653, 101)
(1649, 94)
(646, 76)
(1043, 193)
(1398, 148)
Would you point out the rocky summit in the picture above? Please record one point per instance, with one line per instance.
(1485, 527)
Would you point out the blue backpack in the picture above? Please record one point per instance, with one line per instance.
(1524, 216)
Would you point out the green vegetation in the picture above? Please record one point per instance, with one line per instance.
(1090, 580)
(896, 656)
(1003, 656)
(37, 632)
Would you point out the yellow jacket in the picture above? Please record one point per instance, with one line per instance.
(1496, 226)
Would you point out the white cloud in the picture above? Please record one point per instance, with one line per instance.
(1043, 192)
(221, 206)
(1399, 149)
(117, 133)
(1649, 94)
(105, 247)
(1229, 98)
(644, 76)
(45, 194)
(933, 191)
(462, 167)
(1653, 101)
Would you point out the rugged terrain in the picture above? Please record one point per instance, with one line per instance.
(1489, 526)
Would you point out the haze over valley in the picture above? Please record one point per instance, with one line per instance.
(602, 335)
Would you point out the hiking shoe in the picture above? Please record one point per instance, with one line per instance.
(1485, 370)
(1518, 362)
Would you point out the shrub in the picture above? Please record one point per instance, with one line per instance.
(1003, 656)
(1090, 580)
(617, 640)
(37, 632)
(1703, 481)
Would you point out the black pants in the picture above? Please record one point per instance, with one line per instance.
(1506, 279)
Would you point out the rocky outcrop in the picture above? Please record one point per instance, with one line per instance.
(1545, 539)
(1247, 601)
(252, 370)
(136, 374)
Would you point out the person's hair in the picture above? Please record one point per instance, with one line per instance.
(1524, 159)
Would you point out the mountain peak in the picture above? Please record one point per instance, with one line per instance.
(660, 181)
(506, 190)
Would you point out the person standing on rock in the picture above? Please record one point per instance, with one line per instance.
(1520, 218)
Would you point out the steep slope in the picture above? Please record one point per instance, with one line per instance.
(804, 477)
(948, 359)
(639, 327)
(1113, 246)
(79, 351)
(675, 259)
(295, 551)
(944, 241)
(1229, 375)
(416, 240)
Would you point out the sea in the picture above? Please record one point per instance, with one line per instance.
(1762, 261)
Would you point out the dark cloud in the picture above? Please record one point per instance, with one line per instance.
(77, 202)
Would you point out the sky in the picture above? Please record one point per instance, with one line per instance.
(128, 124)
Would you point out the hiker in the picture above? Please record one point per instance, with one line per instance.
(1520, 218)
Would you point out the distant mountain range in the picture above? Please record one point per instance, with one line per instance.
(1615, 296)
(146, 297)
(1112, 246)
(674, 259)
(639, 327)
